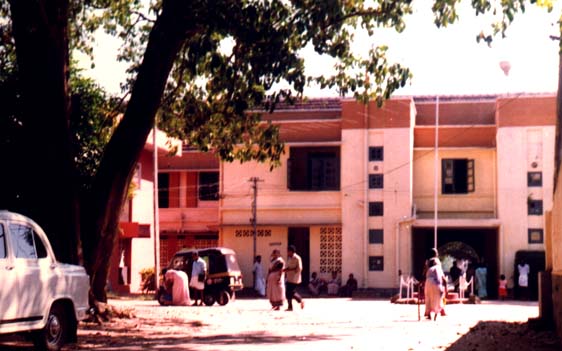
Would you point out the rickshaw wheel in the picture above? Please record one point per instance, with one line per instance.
(209, 300)
(223, 298)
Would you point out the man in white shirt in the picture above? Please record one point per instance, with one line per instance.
(293, 271)
(198, 275)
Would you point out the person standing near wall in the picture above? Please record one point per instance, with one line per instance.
(523, 281)
(259, 276)
(481, 274)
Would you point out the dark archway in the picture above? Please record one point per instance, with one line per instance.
(459, 250)
(484, 241)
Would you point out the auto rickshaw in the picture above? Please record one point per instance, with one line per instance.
(223, 273)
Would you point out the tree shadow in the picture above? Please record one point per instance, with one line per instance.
(496, 335)
(143, 341)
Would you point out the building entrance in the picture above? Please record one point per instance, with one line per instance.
(472, 244)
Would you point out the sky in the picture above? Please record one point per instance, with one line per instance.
(446, 61)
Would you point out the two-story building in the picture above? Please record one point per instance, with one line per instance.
(134, 248)
(359, 187)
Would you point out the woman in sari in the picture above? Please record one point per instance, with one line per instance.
(434, 288)
(276, 281)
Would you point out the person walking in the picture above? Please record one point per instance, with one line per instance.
(275, 280)
(198, 275)
(293, 271)
(259, 276)
(434, 288)
(430, 306)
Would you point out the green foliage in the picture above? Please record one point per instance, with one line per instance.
(93, 118)
(241, 56)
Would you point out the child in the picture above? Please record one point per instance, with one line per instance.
(502, 287)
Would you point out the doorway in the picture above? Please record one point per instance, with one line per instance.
(300, 237)
(483, 241)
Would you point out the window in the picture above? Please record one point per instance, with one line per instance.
(376, 236)
(376, 263)
(534, 207)
(534, 179)
(314, 168)
(3, 253)
(457, 176)
(536, 236)
(376, 153)
(209, 186)
(163, 190)
(376, 181)
(376, 208)
(27, 243)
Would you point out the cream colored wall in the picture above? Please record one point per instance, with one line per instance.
(142, 256)
(518, 148)
(275, 203)
(481, 200)
(142, 249)
(354, 209)
(396, 196)
(243, 246)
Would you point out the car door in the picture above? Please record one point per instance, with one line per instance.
(9, 291)
(34, 270)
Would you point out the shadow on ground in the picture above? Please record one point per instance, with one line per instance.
(142, 341)
(488, 336)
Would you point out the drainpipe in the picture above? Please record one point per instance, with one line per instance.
(436, 176)
(365, 260)
(156, 213)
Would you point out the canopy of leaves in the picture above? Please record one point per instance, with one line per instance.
(247, 55)
(93, 118)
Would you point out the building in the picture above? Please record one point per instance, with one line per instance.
(356, 189)
(134, 249)
(188, 202)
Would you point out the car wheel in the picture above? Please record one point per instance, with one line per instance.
(209, 299)
(54, 335)
(223, 298)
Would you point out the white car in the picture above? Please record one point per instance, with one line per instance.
(38, 294)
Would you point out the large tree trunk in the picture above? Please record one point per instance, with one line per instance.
(42, 184)
(100, 218)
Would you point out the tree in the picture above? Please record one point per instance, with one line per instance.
(203, 65)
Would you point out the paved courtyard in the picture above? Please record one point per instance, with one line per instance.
(324, 324)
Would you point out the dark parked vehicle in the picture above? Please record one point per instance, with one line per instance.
(223, 273)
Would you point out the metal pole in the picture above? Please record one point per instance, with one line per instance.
(156, 209)
(436, 169)
(254, 212)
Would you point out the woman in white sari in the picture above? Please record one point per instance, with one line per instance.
(276, 281)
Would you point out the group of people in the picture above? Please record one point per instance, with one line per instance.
(333, 286)
(282, 279)
(435, 282)
(177, 284)
(479, 272)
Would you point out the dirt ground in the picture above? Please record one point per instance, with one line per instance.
(326, 324)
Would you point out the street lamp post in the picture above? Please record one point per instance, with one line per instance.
(436, 170)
